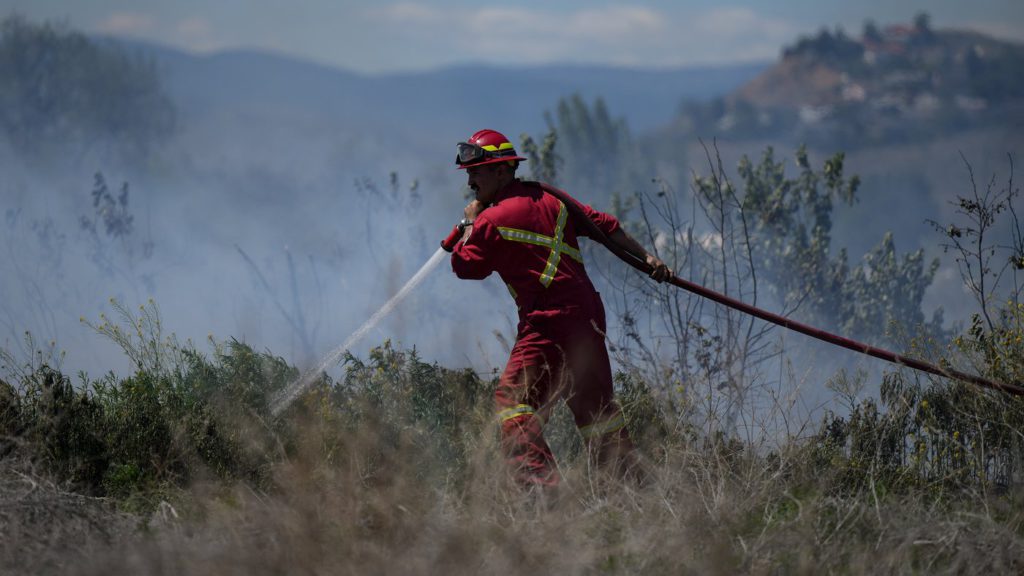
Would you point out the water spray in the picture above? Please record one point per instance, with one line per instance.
(295, 389)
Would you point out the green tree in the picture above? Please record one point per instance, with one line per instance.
(766, 239)
(871, 31)
(597, 151)
(791, 242)
(59, 88)
(923, 23)
(544, 161)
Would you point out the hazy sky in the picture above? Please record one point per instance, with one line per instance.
(384, 36)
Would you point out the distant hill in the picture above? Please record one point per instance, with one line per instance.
(906, 104)
(459, 98)
(900, 83)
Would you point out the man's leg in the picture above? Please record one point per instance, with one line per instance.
(592, 401)
(608, 440)
(521, 401)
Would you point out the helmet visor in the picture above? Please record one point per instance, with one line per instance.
(469, 153)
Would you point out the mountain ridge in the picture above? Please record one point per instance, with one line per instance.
(468, 93)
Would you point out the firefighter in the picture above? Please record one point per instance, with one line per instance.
(528, 237)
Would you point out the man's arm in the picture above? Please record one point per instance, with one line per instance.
(470, 254)
(660, 272)
(609, 225)
(471, 211)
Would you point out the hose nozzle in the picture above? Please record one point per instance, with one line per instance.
(448, 244)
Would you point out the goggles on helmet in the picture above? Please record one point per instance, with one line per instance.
(469, 154)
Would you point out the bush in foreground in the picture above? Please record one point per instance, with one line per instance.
(395, 468)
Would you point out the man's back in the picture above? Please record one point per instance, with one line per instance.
(529, 239)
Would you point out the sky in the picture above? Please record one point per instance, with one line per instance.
(398, 36)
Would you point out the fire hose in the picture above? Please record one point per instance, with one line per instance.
(634, 260)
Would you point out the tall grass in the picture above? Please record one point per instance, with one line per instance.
(395, 468)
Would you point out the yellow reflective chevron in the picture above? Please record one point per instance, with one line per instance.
(613, 424)
(555, 244)
(493, 148)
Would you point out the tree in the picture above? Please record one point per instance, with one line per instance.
(544, 162)
(791, 239)
(832, 49)
(871, 32)
(597, 151)
(923, 24)
(60, 90)
(764, 239)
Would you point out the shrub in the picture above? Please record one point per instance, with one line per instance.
(178, 415)
(64, 425)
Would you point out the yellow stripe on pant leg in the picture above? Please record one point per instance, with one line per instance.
(598, 429)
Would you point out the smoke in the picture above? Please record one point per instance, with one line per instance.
(285, 221)
(331, 359)
(261, 234)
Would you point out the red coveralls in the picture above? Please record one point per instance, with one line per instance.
(527, 237)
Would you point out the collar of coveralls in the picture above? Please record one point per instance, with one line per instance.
(506, 191)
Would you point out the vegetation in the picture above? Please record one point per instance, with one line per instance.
(896, 84)
(763, 237)
(598, 150)
(393, 466)
(60, 90)
(179, 466)
(57, 273)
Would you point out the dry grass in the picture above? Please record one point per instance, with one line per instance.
(47, 529)
(370, 507)
(395, 470)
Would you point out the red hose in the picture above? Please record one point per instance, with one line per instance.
(635, 261)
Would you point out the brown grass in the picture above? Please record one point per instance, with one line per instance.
(46, 529)
(368, 503)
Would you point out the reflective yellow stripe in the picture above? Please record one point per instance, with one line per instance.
(556, 249)
(515, 411)
(512, 291)
(596, 429)
(572, 252)
(527, 237)
(556, 245)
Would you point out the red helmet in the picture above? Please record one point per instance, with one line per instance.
(486, 147)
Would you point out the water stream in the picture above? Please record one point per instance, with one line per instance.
(295, 389)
